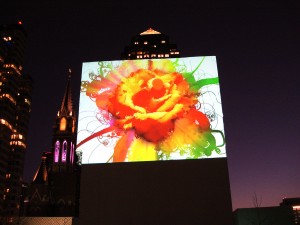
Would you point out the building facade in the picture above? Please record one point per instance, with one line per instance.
(54, 190)
(294, 203)
(276, 215)
(153, 192)
(150, 44)
(15, 106)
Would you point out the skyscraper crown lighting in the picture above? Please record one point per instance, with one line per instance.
(150, 44)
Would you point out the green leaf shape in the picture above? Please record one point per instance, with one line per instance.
(197, 152)
(197, 85)
(201, 83)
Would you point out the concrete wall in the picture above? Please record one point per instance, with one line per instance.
(184, 192)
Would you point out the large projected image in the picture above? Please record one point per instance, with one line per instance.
(148, 110)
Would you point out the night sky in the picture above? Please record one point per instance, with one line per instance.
(258, 55)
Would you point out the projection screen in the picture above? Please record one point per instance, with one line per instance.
(150, 110)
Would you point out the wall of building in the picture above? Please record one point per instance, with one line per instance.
(264, 216)
(169, 192)
(44, 221)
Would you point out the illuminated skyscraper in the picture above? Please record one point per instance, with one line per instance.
(150, 44)
(15, 106)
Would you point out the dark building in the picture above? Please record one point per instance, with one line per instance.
(55, 186)
(294, 203)
(38, 200)
(276, 215)
(150, 44)
(15, 106)
(152, 192)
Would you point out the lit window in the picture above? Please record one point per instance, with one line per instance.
(16, 136)
(7, 175)
(145, 42)
(7, 190)
(13, 67)
(7, 38)
(166, 55)
(27, 101)
(72, 153)
(136, 43)
(63, 124)
(8, 96)
(56, 151)
(2, 121)
(18, 143)
(73, 126)
(163, 41)
(296, 207)
(154, 46)
(153, 55)
(64, 152)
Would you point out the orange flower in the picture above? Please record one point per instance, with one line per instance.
(149, 101)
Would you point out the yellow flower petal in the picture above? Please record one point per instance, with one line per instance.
(164, 65)
(142, 150)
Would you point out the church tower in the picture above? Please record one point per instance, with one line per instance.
(64, 134)
(54, 190)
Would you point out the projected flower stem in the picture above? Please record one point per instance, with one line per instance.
(97, 134)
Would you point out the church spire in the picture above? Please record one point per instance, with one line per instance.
(41, 175)
(64, 133)
(67, 104)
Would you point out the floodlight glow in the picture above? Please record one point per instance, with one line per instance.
(148, 110)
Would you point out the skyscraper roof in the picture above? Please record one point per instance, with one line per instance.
(150, 44)
(150, 31)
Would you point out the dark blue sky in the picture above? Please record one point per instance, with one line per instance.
(258, 54)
